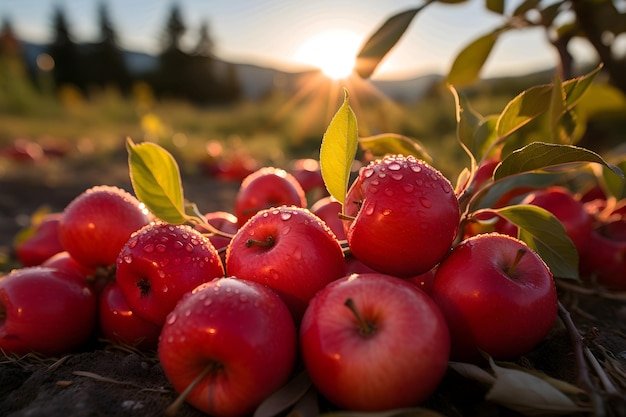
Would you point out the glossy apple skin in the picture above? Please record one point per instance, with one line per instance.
(42, 243)
(488, 310)
(328, 209)
(120, 325)
(304, 257)
(244, 330)
(422, 281)
(308, 173)
(223, 221)
(399, 365)
(97, 223)
(567, 209)
(160, 263)
(265, 188)
(44, 310)
(406, 216)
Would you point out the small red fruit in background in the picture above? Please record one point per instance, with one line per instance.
(497, 296)
(290, 250)
(238, 337)
(406, 216)
(160, 263)
(40, 241)
(309, 174)
(267, 187)
(328, 209)
(387, 350)
(44, 310)
(96, 224)
(119, 324)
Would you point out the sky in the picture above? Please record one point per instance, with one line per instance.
(273, 32)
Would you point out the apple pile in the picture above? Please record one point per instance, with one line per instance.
(371, 289)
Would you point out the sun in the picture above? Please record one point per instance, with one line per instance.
(332, 51)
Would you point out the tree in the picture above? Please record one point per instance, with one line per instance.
(106, 63)
(67, 62)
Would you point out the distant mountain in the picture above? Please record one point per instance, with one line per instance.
(255, 80)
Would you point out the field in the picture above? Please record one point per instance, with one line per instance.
(73, 144)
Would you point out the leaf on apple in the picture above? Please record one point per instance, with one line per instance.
(155, 178)
(285, 397)
(338, 150)
(539, 156)
(544, 234)
(393, 144)
(613, 185)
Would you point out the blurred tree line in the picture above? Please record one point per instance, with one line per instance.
(194, 75)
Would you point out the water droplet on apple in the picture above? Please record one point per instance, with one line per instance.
(368, 172)
(386, 212)
(285, 215)
(165, 288)
(185, 236)
(171, 318)
(128, 259)
(207, 302)
(132, 243)
(149, 248)
(394, 166)
(408, 188)
(265, 214)
(369, 209)
(286, 230)
(372, 190)
(381, 175)
(160, 248)
(397, 176)
(416, 168)
(426, 202)
(388, 192)
(189, 247)
(194, 241)
(161, 274)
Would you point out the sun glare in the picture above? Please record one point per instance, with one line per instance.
(333, 52)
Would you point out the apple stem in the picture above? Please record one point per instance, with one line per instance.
(173, 408)
(267, 243)
(345, 217)
(365, 328)
(518, 257)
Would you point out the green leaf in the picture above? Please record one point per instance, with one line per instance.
(155, 178)
(540, 155)
(466, 67)
(544, 234)
(338, 150)
(392, 143)
(381, 42)
(467, 122)
(615, 186)
(535, 101)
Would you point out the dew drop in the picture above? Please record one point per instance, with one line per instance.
(285, 215)
(386, 212)
(368, 172)
(161, 274)
(195, 241)
(426, 202)
(149, 248)
(369, 209)
(416, 168)
(389, 192)
(286, 230)
(165, 288)
(397, 176)
(207, 302)
(171, 319)
(185, 236)
(132, 243)
(128, 259)
(408, 188)
(160, 248)
(265, 214)
(375, 182)
(381, 175)
(394, 166)
(372, 190)
(189, 247)
(178, 244)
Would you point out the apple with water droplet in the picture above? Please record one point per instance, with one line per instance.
(97, 223)
(160, 263)
(232, 343)
(45, 310)
(265, 188)
(405, 216)
(290, 250)
(373, 342)
(329, 210)
(497, 296)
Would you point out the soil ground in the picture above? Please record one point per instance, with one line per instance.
(105, 380)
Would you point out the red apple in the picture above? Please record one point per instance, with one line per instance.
(387, 350)
(160, 263)
(265, 188)
(497, 296)
(44, 310)
(406, 216)
(567, 209)
(222, 221)
(288, 249)
(40, 241)
(96, 224)
(238, 337)
(328, 209)
(308, 173)
(119, 324)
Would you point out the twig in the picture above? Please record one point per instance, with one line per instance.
(101, 378)
(611, 295)
(581, 364)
